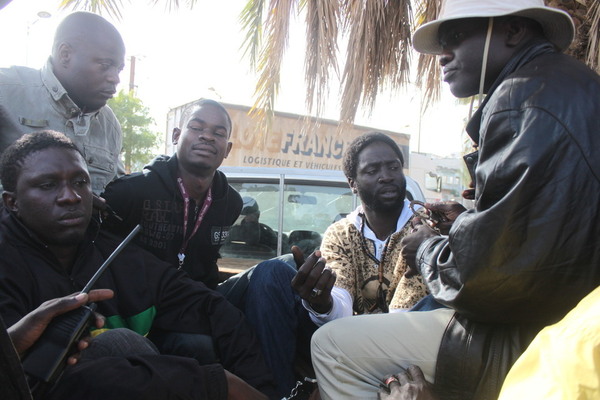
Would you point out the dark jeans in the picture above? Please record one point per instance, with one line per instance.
(282, 325)
(193, 345)
(275, 311)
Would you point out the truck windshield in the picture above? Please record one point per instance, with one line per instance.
(307, 212)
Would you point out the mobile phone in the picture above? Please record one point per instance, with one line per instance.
(46, 360)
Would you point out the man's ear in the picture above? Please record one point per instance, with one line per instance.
(515, 31)
(229, 145)
(10, 201)
(175, 135)
(64, 54)
(352, 185)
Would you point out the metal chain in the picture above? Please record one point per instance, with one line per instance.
(298, 386)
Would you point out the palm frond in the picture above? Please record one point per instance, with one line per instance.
(251, 20)
(593, 49)
(269, 62)
(378, 53)
(172, 5)
(111, 7)
(322, 22)
(428, 70)
(379, 41)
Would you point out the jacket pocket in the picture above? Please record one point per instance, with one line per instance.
(99, 158)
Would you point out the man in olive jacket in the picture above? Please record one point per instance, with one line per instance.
(528, 251)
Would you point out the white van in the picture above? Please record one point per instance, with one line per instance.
(285, 207)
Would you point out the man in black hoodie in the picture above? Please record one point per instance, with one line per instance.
(186, 208)
(183, 203)
(51, 247)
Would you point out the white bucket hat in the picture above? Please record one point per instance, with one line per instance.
(557, 25)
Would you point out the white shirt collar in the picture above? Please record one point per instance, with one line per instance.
(356, 219)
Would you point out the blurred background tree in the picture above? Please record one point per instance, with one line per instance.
(139, 141)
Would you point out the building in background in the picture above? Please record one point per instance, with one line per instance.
(440, 178)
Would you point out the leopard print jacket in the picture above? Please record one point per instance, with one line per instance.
(343, 248)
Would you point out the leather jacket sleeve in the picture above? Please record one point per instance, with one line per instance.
(527, 252)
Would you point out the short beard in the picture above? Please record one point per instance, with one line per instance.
(371, 202)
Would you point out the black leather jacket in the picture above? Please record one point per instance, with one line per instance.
(530, 248)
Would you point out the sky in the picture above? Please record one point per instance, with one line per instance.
(187, 54)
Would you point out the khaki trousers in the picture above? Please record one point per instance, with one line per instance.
(353, 355)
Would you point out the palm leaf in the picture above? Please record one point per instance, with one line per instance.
(110, 7)
(379, 40)
(593, 49)
(322, 22)
(378, 53)
(174, 4)
(428, 70)
(269, 61)
(251, 19)
(113, 7)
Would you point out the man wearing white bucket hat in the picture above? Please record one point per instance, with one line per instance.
(528, 250)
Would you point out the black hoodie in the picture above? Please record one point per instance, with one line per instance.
(148, 294)
(152, 198)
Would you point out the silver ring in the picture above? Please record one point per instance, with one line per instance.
(316, 292)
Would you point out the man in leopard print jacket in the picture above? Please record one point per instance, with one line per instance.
(360, 269)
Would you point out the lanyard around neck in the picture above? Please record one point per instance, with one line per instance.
(199, 218)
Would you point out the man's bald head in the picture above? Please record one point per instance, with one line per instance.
(83, 27)
(87, 56)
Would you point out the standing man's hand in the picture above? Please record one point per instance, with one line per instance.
(410, 244)
(407, 385)
(100, 205)
(442, 215)
(237, 389)
(29, 328)
(469, 193)
(446, 212)
(314, 280)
